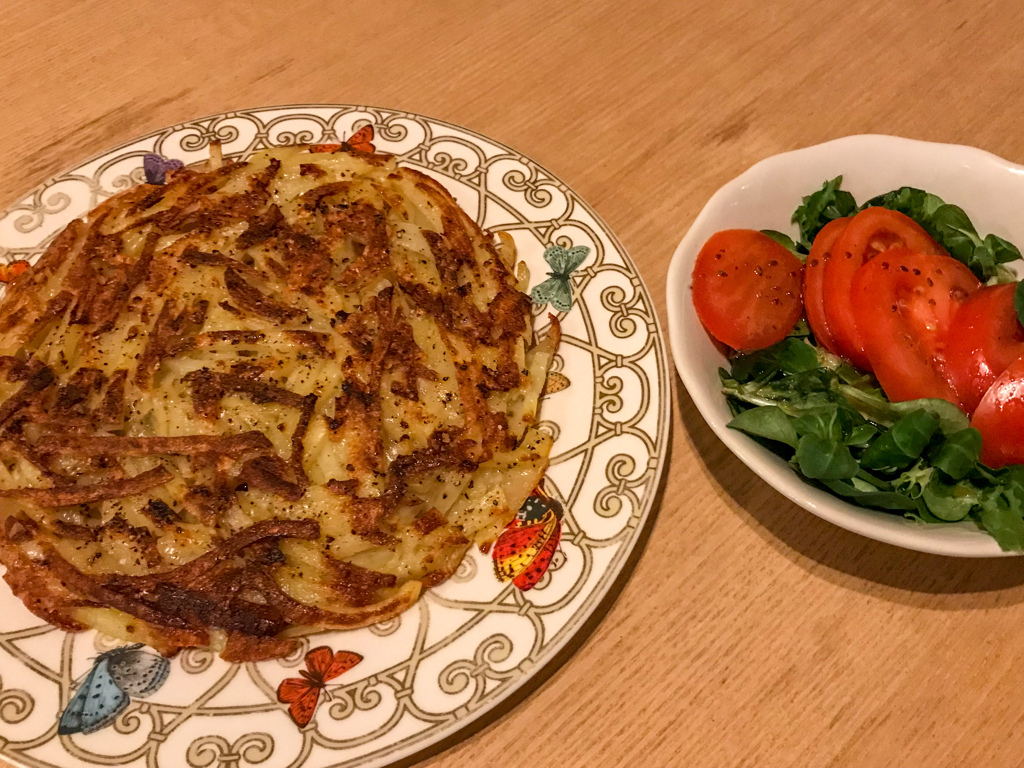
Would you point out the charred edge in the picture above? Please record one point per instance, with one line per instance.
(358, 586)
(252, 300)
(40, 378)
(87, 494)
(267, 474)
(114, 445)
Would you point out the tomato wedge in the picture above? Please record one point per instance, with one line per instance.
(1000, 418)
(871, 231)
(746, 289)
(984, 339)
(814, 281)
(904, 303)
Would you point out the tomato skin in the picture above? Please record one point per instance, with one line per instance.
(814, 277)
(904, 304)
(984, 339)
(871, 232)
(746, 289)
(1000, 418)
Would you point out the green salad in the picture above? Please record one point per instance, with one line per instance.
(918, 458)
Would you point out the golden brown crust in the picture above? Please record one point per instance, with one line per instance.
(252, 402)
(90, 493)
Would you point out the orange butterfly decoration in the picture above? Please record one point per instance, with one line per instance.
(524, 549)
(361, 140)
(302, 694)
(10, 271)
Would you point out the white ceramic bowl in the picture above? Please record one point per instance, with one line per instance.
(988, 188)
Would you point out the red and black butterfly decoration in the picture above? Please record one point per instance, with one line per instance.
(361, 141)
(524, 549)
(302, 694)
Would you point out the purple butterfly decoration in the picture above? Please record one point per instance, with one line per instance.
(156, 168)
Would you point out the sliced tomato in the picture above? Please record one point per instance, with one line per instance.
(746, 289)
(814, 281)
(871, 231)
(984, 339)
(1000, 418)
(903, 304)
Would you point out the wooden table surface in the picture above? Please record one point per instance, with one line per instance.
(751, 633)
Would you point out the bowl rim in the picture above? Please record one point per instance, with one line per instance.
(860, 520)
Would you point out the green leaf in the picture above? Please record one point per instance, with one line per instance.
(900, 445)
(922, 515)
(959, 453)
(955, 232)
(913, 481)
(818, 209)
(790, 355)
(766, 421)
(1003, 250)
(1018, 302)
(821, 459)
(861, 434)
(827, 423)
(950, 503)
(786, 242)
(950, 418)
(915, 203)
(869, 497)
(874, 407)
(1001, 517)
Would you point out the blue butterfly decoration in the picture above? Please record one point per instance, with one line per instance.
(557, 290)
(156, 167)
(115, 676)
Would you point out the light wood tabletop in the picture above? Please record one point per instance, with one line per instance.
(751, 633)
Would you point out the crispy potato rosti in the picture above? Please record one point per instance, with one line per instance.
(266, 398)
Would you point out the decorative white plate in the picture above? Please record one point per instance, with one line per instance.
(474, 646)
(987, 187)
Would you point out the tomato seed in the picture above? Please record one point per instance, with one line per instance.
(929, 281)
(931, 302)
(938, 271)
(775, 301)
(758, 271)
(722, 274)
(894, 308)
(814, 262)
(773, 263)
(885, 265)
(903, 268)
(917, 271)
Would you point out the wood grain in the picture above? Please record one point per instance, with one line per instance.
(751, 633)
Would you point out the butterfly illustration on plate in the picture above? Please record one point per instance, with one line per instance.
(557, 289)
(10, 271)
(302, 694)
(555, 382)
(361, 140)
(524, 549)
(115, 677)
(156, 167)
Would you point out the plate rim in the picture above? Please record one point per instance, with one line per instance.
(618, 574)
(758, 459)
